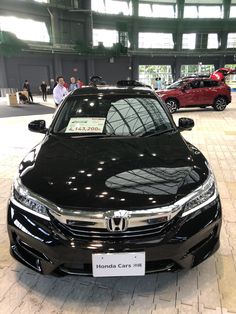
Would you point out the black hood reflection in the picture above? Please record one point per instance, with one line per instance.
(155, 181)
(113, 173)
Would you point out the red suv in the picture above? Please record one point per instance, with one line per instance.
(196, 92)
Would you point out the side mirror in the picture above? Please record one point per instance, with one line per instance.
(185, 124)
(38, 126)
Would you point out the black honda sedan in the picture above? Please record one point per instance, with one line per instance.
(113, 189)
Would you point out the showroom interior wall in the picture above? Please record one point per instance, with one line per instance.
(71, 21)
(46, 67)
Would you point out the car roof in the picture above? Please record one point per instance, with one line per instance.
(199, 78)
(195, 76)
(112, 90)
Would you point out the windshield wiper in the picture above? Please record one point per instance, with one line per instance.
(91, 135)
(146, 134)
(155, 133)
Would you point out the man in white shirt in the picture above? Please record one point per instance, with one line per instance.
(59, 91)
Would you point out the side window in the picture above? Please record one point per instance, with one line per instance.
(195, 84)
(215, 83)
(188, 86)
(208, 83)
(202, 84)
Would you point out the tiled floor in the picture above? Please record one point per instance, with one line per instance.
(209, 288)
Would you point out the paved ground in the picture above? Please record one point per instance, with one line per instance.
(209, 288)
(23, 109)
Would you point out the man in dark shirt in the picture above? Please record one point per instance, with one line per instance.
(26, 86)
(44, 90)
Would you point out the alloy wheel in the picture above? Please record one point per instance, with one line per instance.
(220, 104)
(172, 105)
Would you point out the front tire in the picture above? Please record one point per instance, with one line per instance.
(172, 105)
(220, 104)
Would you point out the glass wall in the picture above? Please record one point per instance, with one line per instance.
(212, 42)
(203, 11)
(148, 74)
(105, 36)
(157, 10)
(231, 79)
(189, 41)
(112, 6)
(190, 11)
(231, 40)
(25, 29)
(232, 11)
(156, 40)
(194, 69)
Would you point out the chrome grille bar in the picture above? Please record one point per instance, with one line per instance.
(92, 220)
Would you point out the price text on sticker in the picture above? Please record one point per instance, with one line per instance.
(85, 125)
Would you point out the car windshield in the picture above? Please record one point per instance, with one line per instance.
(175, 85)
(112, 116)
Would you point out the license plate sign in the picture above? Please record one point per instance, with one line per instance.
(118, 264)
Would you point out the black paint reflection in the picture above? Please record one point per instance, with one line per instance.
(156, 181)
(131, 116)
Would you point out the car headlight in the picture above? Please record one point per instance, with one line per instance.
(28, 201)
(201, 197)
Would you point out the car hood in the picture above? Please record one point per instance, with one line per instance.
(113, 173)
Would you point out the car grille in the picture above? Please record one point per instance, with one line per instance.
(78, 231)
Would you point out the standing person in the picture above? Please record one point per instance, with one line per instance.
(66, 85)
(23, 99)
(80, 83)
(44, 90)
(158, 83)
(59, 91)
(26, 86)
(73, 84)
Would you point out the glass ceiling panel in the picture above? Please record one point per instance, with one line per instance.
(163, 11)
(112, 6)
(158, 1)
(204, 1)
(210, 11)
(203, 11)
(157, 10)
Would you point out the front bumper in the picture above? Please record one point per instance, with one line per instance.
(40, 245)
